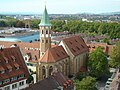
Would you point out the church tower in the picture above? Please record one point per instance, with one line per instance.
(45, 32)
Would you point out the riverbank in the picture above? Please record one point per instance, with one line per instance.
(22, 34)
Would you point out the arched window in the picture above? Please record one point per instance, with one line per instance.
(46, 31)
(42, 32)
(42, 41)
(50, 70)
(43, 72)
(46, 41)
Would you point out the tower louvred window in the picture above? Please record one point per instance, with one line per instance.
(46, 31)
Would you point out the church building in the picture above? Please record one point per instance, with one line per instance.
(69, 57)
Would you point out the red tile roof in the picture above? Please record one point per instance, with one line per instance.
(25, 47)
(54, 54)
(53, 82)
(1, 68)
(76, 45)
(8, 53)
(106, 48)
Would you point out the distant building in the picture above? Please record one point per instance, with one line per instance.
(13, 70)
(27, 22)
(106, 48)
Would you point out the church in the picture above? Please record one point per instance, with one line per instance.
(69, 56)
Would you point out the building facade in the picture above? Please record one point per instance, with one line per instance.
(69, 57)
(13, 70)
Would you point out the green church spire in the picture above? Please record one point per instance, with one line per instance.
(45, 19)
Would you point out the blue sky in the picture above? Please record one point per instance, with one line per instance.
(59, 6)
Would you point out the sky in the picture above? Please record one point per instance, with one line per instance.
(59, 6)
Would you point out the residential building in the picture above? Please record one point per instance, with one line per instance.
(13, 70)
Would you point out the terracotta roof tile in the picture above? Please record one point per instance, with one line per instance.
(8, 66)
(54, 54)
(1, 68)
(76, 45)
(52, 83)
(106, 48)
(16, 65)
(25, 47)
(6, 54)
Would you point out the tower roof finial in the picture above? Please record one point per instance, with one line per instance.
(45, 18)
(45, 3)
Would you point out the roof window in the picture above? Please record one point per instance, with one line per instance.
(13, 58)
(70, 42)
(82, 46)
(58, 55)
(76, 40)
(78, 48)
(73, 50)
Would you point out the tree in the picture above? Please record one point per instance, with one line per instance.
(81, 75)
(98, 63)
(30, 79)
(20, 24)
(34, 23)
(115, 56)
(88, 83)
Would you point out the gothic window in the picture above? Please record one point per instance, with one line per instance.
(50, 70)
(43, 71)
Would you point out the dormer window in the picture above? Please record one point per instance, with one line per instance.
(75, 40)
(21, 76)
(13, 58)
(6, 81)
(6, 61)
(0, 82)
(2, 71)
(10, 69)
(17, 66)
(14, 78)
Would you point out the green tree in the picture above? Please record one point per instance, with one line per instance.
(98, 63)
(34, 23)
(30, 79)
(88, 83)
(115, 56)
(106, 40)
(20, 24)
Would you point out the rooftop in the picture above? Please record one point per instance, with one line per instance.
(12, 65)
